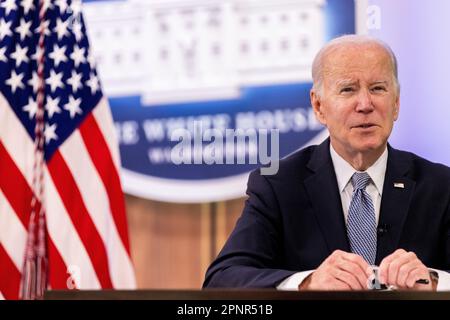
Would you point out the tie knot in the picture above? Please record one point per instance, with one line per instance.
(360, 180)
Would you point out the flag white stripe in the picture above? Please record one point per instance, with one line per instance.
(15, 138)
(1, 296)
(60, 227)
(96, 201)
(103, 117)
(13, 235)
(66, 238)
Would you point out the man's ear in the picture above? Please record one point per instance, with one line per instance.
(397, 108)
(316, 104)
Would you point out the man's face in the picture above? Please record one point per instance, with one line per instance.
(359, 101)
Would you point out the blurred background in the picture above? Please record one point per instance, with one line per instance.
(240, 64)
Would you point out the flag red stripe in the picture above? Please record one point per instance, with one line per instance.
(102, 159)
(57, 268)
(74, 204)
(15, 187)
(10, 279)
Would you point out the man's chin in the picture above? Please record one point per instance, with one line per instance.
(370, 146)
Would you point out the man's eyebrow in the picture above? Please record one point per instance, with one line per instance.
(380, 82)
(345, 82)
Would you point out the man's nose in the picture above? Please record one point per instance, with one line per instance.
(364, 103)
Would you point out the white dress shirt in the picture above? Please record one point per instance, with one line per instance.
(344, 172)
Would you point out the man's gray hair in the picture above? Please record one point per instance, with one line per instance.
(317, 67)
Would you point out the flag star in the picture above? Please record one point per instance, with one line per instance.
(2, 55)
(54, 81)
(27, 5)
(49, 133)
(52, 106)
(24, 29)
(91, 58)
(58, 55)
(31, 108)
(5, 29)
(20, 55)
(62, 5)
(93, 83)
(78, 55)
(61, 28)
(47, 5)
(34, 81)
(75, 81)
(75, 7)
(73, 106)
(44, 26)
(9, 5)
(77, 30)
(15, 81)
(38, 54)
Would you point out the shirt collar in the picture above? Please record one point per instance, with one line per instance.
(344, 171)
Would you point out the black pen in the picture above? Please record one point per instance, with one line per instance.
(386, 287)
(423, 281)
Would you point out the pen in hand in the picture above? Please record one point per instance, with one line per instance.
(374, 282)
(423, 281)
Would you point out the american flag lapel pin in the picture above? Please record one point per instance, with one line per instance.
(399, 185)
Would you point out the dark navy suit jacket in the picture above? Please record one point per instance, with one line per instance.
(293, 220)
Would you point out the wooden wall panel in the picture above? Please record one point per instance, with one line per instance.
(173, 244)
(165, 243)
(234, 210)
(227, 214)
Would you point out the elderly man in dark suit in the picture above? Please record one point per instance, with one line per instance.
(335, 210)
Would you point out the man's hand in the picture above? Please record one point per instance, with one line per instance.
(340, 271)
(402, 269)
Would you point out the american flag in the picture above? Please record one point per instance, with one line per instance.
(86, 230)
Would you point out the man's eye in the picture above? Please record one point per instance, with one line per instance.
(379, 88)
(347, 89)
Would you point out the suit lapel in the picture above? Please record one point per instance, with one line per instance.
(324, 195)
(397, 194)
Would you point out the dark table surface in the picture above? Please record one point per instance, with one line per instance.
(241, 294)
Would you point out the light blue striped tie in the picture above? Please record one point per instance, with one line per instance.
(361, 224)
